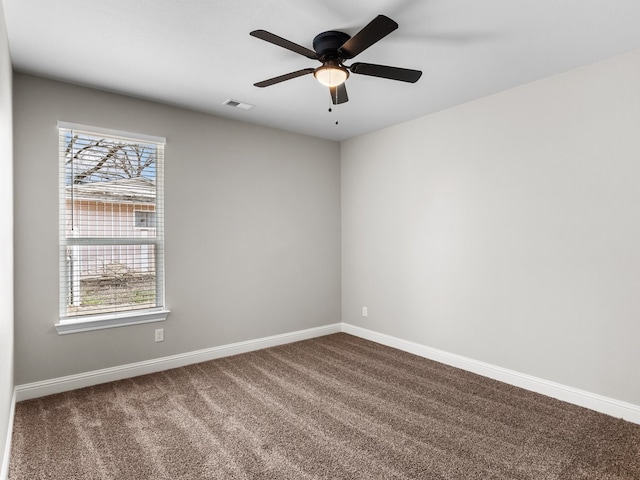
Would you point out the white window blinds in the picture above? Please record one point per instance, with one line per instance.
(111, 223)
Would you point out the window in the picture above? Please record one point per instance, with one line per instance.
(145, 219)
(111, 228)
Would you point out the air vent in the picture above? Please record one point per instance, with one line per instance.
(237, 104)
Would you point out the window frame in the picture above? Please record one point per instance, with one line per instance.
(89, 322)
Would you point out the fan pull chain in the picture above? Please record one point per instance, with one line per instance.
(331, 111)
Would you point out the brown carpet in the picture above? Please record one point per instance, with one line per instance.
(335, 407)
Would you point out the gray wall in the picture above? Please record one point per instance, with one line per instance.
(6, 236)
(252, 230)
(507, 230)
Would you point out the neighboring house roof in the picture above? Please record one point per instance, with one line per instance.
(124, 190)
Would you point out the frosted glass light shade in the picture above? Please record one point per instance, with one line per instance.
(331, 75)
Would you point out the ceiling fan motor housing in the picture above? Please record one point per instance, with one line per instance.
(326, 44)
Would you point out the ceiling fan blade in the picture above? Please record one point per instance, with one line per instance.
(339, 94)
(282, 78)
(284, 43)
(384, 71)
(377, 29)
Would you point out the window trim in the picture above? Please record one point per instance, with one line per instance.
(90, 129)
(88, 323)
(84, 323)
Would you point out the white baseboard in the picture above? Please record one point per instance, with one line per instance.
(4, 466)
(599, 403)
(87, 379)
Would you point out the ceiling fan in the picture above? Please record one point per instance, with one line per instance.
(331, 49)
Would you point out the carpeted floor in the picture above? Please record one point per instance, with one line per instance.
(335, 407)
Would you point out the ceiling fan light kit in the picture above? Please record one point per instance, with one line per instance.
(332, 48)
(331, 75)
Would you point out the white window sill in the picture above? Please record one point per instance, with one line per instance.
(100, 322)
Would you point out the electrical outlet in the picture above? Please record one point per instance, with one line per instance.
(365, 311)
(159, 334)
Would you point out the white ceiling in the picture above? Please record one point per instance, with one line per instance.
(198, 53)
